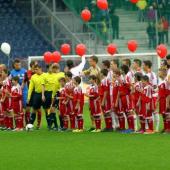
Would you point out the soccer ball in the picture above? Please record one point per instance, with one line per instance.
(29, 127)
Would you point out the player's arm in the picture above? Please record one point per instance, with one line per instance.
(104, 96)
(30, 90)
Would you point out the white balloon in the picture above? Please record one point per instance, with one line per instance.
(5, 48)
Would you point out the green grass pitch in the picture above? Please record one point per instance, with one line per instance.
(44, 150)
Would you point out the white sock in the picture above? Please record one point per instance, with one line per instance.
(157, 121)
(136, 122)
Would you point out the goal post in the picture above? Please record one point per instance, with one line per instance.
(143, 56)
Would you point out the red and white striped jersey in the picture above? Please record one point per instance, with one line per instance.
(105, 86)
(93, 91)
(162, 89)
(130, 77)
(78, 95)
(6, 86)
(16, 93)
(147, 93)
(69, 87)
(152, 78)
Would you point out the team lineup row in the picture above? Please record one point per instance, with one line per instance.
(126, 93)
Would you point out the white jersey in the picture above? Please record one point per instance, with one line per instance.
(110, 77)
(152, 78)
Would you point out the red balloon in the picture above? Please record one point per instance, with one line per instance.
(65, 49)
(112, 49)
(47, 57)
(56, 57)
(102, 4)
(132, 45)
(134, 1)
(162, 50)
(81, 49)
(86, 15)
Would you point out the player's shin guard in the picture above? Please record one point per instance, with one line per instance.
(150, 123)
(33, 117)
(39, 115)
(156, 121)
(142, 123)
(121, 121)
(108, 121)
(1, 120)
(97, 122)
(27, 117)
(72, 121)
(130, 120)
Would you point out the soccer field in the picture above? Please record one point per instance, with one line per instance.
(93, 151)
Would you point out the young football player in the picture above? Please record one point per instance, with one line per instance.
(136, 98)
(105, 100)
(94, 103)
(69, 94)
(78, 103)
(16, 104)
(162, 96)
(6, 100)
(147, 67)
(126, 98)
(146, 103)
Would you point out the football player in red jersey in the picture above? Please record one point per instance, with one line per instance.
(106, 100)
(6, 100)
(94, 102)
(136, 97)
(69, 94)
(162, 99)
(146, 103)
(78, 103)
(16, 104)
(126, 98)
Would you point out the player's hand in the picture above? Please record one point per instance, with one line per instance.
(43, 98)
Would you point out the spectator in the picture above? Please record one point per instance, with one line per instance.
(115, 25)
(165, 28)
(151, 31)
(160, 32)
(151, 14)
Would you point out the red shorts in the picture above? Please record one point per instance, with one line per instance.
(162, 106)
(17, 107)
(62, 109)
(95, 107)
(6, 105)
(125, 104)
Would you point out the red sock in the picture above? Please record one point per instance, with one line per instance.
(150, 124)
(80, 123)
(21, 122)
(142, 123)
(27, 117)
(98, 123)
(38, 118)
(168, 125)
(122, 122)
(131, 123)
(1, 120)
(108, 122)
(10, 119)
(6, 121)
(72, 121)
